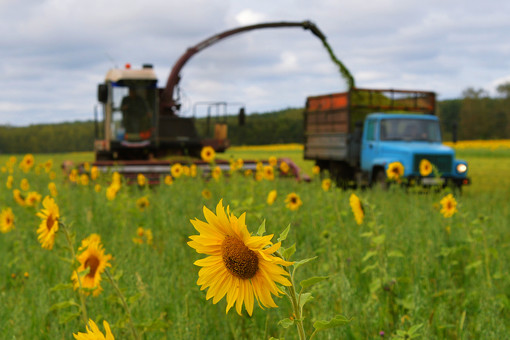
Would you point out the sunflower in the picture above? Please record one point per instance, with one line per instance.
(316, 170)
(273, 161)
(248, 172)
(48, 165)
(49, 225)
(73, 175)
(185, 170)
(93, 263)
(326, 184)
(448, 206)
(24, 185)
(32, 199)
(111, 192)
(284, 167)
(168, 180)
(9, 182)
(6, 220)
(269, 172)
(206, 194)
(18, 197)
(208, 154)
(395, 171)
(425, 167)
(93, 333)
(271, 197)
(357, 208)
(27, 162)
(94, 173)
(293, 201)
(193, 170)
(176, 170)
(141, 180)
(238, 265)
(84, 180)
(216, 173)
(240, 163)
(52, 187)
(259, 167)
(142, 203)
(97, 187)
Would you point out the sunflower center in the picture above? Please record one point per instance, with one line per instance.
(293, 200)
(238, 258)
(92, 262)
(50, 221)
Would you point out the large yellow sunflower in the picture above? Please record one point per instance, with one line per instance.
(27, 162)
(284, 167)
(49, 225)
(448, 206)
(271, 197)
(93, 261)
(425, 167)
(6, 220)
(395, 171)
(238, 265)
(176, 170)
(93, 333)
(208, 154)
(293, 202)
(357, 208)
(268, 172)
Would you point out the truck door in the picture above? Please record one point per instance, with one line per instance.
(369, 147)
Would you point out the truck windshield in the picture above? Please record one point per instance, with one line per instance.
(408, 129)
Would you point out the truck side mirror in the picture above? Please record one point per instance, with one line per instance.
(242, 116)
(454, 132)
(102, 93)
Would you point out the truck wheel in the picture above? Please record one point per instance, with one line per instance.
(380, 180)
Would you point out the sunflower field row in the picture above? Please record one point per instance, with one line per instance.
(246, 255)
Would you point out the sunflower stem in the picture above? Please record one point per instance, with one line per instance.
(124, 304)
(297, 311)
(84, 313)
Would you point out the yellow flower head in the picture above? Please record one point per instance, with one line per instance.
(142, 203)
(86, 166)
(239, 163)
(238, 265)
(284, 167)
(141, 180)
(259, 176)
(97, 188)
(316, 170)
(93, 263)
(176, 170)
(52, 187)
(206, 194)
(6, 220)
(448, 206)
(293, 202)
(111, 192)
(395, 171)
(9, 182)
(425, 167)
(48, 165)
(193, 170)
(27, 162)
(216, 173)
(259, 167)
(185, 170)
(94, 173)
(208, 154)
(50, 215)
(273, 161)
(271, 197)
(18, 197)
(268, 172)
(357, 208)
(168, 180)
(32, 199)
(326, 184)
(84, 179)
(248, 172)
(24, 185)
(93, 333)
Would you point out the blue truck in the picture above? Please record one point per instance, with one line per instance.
(357, 134)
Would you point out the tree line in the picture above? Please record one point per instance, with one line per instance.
(477, 115)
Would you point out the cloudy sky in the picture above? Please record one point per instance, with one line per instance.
(55, 52)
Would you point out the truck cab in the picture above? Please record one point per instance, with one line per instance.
(409, 139)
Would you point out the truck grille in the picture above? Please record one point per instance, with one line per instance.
(443, 163)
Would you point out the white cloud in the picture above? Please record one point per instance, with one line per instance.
(249, 17)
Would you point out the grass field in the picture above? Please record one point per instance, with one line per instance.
(405, 268)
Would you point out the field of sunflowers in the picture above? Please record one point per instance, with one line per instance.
(251, 254)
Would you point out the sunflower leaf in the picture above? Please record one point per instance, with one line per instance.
(305, 297)
(286, 323)
(379, 239)
(288, 252)
(63, 304)
(262, 228)
(338, 320)
(368, 255)
(395, 253)
(66, 317)
(298, 264)
(284, 233)
(61, 286)
(311, 281)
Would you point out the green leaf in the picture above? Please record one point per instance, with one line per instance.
(63, 304)
(313, 280)
(262, 228)
(61, 286)
(368, 255)
(286, 323)
(368, 234)
(284, 233)
(395, 253)
(66, 317)
(473, 265)
(288, 252)
(414, 329)
(369, 268)
(304, 298)
(379, 239)
(298, 264)
(375, 285)
(338, 320)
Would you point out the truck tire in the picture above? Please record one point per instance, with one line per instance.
(380, 180)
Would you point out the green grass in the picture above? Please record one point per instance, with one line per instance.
(449, 275)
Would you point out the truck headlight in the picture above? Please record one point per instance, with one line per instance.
(461, 168)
